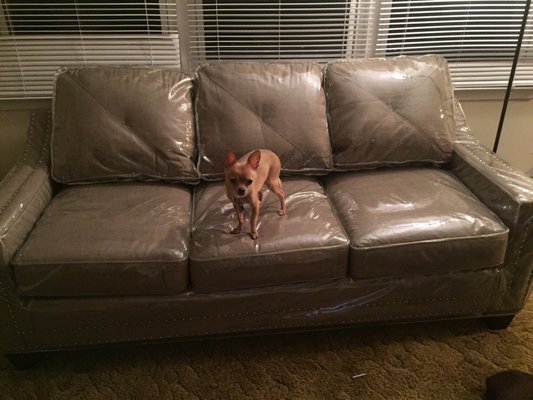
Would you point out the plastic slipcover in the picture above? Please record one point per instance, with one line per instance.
(123, 123)
(276, 106)
(509, 194)
(36, 323)
(390, 111)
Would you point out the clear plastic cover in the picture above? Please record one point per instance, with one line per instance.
(390, 111)
(507, 192)
(276, 106)
(339, 297)
(123, 123)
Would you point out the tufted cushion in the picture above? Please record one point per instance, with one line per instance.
(280, 107)
(115, 123)
(389, 111)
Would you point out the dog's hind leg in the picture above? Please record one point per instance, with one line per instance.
(276, 187)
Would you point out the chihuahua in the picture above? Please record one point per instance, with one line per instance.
(245, 179)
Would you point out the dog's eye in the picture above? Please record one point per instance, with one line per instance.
(233, 181)
(248, 182)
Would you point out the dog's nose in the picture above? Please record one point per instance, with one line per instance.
(241, 191)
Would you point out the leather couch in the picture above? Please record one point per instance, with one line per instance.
(115, 225)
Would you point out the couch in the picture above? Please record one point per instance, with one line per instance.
(115, 225)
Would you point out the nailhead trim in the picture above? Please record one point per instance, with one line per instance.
(29, 140)
(241, 314)
(35, 167)
(518, 254)
(502, 164)
(526, 228)
(26, 151)
(256, 329)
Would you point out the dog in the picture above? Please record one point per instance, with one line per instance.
(245, 179)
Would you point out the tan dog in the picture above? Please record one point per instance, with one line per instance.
(245, 179)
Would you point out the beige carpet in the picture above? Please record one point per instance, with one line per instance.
(442, 360)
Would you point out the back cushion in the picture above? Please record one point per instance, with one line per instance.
(114, 123)
(280, 107)
(389, 111)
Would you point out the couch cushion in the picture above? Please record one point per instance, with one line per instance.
(280, 107)
(389, 111)
(307, 244)
(114, 239)
(414, 221)
(123, 123)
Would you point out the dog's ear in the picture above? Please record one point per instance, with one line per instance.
(254, 158)
(230, 159)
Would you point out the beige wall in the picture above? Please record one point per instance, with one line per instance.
(13, 127)
(516, 145)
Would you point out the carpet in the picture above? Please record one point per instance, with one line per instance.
(437, 360)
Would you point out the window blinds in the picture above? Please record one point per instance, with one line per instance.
(477, 37)
(36, 38)
(279, 30)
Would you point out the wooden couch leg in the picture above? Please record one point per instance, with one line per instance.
(500, 322)
(25, 361)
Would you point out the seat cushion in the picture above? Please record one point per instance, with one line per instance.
(275, 106)
(307, 244)
(108, 240)
(405, 221)
(123, 123)
(390, 111)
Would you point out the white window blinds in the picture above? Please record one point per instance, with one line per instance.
(477, 37)
(279, 30)
(38, 37)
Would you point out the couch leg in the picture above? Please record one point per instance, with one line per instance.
(497, 323)
(24, 361)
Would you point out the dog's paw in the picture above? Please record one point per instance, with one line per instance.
(254, 235)
(235, 231)
(281, 213)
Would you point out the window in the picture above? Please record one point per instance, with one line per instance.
(283, 31)
(36, 38)
(466, 30)
(83, 17)
(477, 37)
(315, 30)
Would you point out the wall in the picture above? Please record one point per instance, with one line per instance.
(516, 145)
(13, 128)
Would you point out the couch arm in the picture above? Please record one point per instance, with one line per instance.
(24, 193)
(509, 194)
(26, 189)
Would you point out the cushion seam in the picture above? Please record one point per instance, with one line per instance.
(428, 241)
(270, 253)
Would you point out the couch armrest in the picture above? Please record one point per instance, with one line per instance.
(27, 188)
(509, 194)
(24, 193)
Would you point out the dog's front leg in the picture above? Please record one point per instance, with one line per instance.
(239, 212)
(253, 221)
